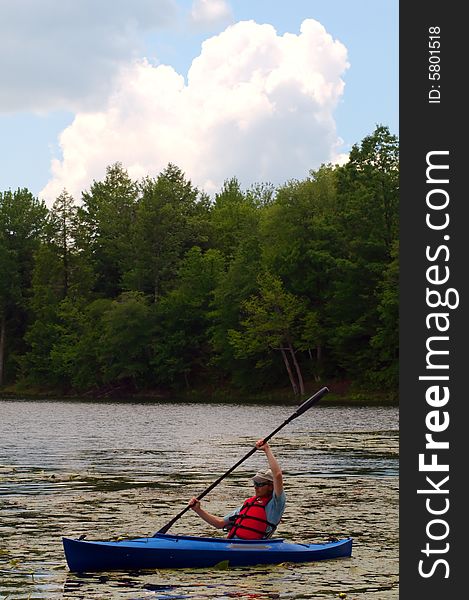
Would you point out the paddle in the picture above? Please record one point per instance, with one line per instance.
(307, 404)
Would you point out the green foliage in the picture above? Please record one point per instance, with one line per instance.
(122, 350)
(367, 213)
(47, 292)
(168, 221)
(271, 319)
(84, 329)
(233, 217)
(181, 347)
(22, 223)
(104, 229)
(235, 286)
(368, 195)
(386, 339)
(64, 354)
(150, 285)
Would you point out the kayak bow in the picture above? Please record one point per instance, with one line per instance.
(164, 551)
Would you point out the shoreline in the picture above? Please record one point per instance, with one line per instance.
(339, 395)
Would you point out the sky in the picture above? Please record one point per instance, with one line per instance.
(264, 90)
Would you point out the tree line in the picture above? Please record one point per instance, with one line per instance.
(151, 284)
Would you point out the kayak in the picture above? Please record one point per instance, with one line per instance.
(164, 551)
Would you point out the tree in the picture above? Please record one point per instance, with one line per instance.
(10, 293)
(232, 217)
(104, 229)
(75, 354)
(273, 322)
(368, 195)
(150, 284)
(22, 223)
(123, 344)
(60, 273)
(385, 342)
(181, 346)
(367, 224)
(301, 244)
(234, 287)
(41, 335)
(169, 220)
(63, 222)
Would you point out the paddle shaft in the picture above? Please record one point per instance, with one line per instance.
(299, 411)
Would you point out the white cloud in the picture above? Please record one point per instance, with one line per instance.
(208, 13)
(65, 54)
(256, 105)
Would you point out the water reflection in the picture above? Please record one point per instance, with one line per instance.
(281, 581)
(112, 470)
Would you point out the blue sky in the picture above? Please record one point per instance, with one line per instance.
(78, 95)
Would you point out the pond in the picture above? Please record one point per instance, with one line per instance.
(125, 469)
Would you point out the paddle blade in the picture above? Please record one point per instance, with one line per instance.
(311, 401)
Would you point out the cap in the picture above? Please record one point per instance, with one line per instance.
(261, 476)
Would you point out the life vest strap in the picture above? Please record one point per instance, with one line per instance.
(244, 515)
(247, 518)
(246, 527)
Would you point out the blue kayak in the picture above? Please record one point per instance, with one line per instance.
(163, 551)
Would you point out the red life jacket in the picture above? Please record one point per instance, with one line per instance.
(251, 522)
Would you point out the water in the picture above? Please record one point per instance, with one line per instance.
(120, 469)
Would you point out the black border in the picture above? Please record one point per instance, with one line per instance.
(425, 127)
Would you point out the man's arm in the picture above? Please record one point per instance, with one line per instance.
(274, 466)
(213, 520)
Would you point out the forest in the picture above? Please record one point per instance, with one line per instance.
(152, 286)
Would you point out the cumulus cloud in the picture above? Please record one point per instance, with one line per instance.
(256, 105)
(209, 13)
(65, 54)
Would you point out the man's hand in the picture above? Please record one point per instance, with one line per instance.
(273, 464)
(194, 503)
